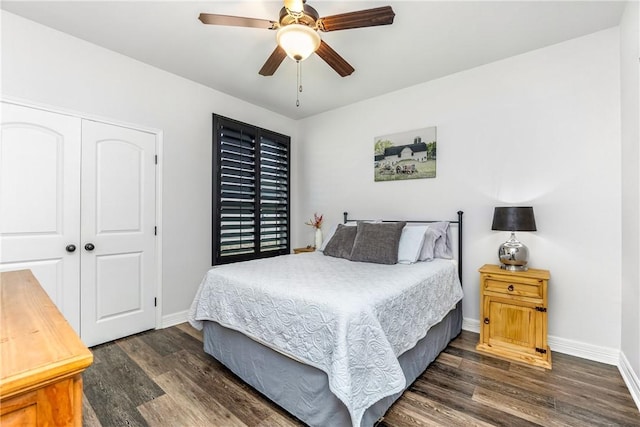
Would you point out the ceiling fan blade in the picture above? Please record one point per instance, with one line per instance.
(363, 18)
(273, 62)
(237, 21)
(334, 60)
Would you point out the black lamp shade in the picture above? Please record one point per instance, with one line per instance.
(514, 218)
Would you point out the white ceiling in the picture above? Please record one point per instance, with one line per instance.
(427, 40)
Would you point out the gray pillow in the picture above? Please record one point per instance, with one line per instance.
(377, 243)
(341, 243)
(429, 245)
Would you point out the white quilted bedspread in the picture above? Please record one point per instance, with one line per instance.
(350, 319)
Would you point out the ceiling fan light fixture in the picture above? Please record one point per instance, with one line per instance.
(298, 41)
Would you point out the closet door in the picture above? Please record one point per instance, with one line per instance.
(40, 201)
(118, 239)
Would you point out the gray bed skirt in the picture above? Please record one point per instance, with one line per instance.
(303, 390)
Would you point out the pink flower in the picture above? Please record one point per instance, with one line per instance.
(316, 222)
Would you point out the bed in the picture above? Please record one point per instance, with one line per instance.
(333, 341)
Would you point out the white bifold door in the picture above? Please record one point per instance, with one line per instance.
(77, 207)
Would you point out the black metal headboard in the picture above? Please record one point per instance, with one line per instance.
(458, 221)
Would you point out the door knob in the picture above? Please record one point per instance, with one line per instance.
(89, 247)
(71, 248)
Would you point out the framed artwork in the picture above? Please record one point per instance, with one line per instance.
(405, 155)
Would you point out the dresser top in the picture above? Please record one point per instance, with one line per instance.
(532, 272)
(37, 344)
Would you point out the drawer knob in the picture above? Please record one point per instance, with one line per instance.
(486, 320)
(510, 288)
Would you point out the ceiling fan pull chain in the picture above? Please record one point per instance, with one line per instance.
(299, 82)
(299, 76)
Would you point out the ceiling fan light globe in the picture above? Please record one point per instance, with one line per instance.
(298, 41)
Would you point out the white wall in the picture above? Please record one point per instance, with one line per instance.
(541, 128)
(630, 113)
(45, 66)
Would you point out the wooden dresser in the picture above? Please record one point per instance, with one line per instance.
(513, 315)
(41, 357)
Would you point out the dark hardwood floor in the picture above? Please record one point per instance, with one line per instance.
(163, 378)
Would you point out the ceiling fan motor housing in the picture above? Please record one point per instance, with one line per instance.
(308, 17)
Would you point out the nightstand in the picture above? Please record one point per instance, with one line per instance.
(513, 315)
(303, 250)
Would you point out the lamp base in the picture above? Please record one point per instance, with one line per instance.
(514, 267)
(513, 255)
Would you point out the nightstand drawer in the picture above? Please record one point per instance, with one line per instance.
(522, 287)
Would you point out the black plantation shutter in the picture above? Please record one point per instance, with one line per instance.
(274, 193)
(237, 189)
(251, 192)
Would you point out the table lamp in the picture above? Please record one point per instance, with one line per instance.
(513, 254)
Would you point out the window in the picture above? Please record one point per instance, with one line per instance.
(250, 192)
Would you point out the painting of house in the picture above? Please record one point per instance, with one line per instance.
(405, 155)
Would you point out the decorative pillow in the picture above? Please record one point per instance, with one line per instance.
(341, 243)
(427, 253)
(411, 242)
(332, 230)
(330, 234)
(327, 237)
(377, 243)
(443, 247)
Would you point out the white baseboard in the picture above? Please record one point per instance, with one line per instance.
(610, 356)
(471, 325)
(607, 355)
(630, 378)
(174, 319)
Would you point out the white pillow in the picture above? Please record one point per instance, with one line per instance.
(411, 241)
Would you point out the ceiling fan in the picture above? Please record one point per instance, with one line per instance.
(297, 32)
